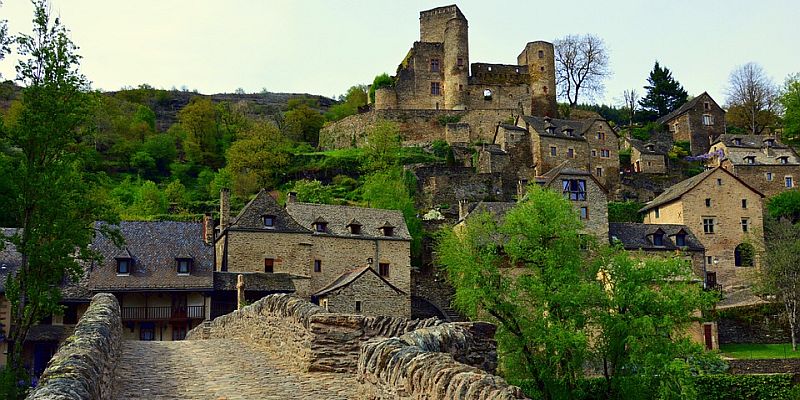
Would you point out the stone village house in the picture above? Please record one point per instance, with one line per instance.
(699, 122)
(760, 160)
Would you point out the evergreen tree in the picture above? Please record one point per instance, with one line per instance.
(664, 93)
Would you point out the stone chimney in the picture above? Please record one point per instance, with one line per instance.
(463, 209)
(292, 197)
(224, 208)
(208, 229)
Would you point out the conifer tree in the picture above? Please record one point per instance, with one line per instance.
(664, 93)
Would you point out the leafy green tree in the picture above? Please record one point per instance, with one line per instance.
(526, 274)
(143, 163)
(383, 145)
(302, 122)
(790, 101)
(356, 97)
(392, 189)
(785, 205)
(161, 148)
(150, 200)
(50, 193)
(664, 93)
(5, 39)
(203, 137)
(176, 194)
(256, 160)
(312, 191)
(647, 308)
(627, 211)
(380, 81)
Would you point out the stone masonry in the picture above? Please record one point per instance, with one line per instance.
(83, 367)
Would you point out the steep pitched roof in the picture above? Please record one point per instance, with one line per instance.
(741, 147)
(659, 147)
(565, 169)
(497, 209)
(338, 217)
(685, 107)
(560, 126)
(251, 216)
(349, 277)
(154, 246)
(636, 236)
(677, 190)
(749, 141)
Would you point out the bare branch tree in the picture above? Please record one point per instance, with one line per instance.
(631, 98)
(581, 67)
(752, 98)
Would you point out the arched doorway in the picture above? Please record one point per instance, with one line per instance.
(744, 255)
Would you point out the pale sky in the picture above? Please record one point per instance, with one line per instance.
(325, 46)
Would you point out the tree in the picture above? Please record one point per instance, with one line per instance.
(256, 159)
(789, 99)
(51, 194)
(199, 119)
(380, 81)
(302, 122)
(785, 205)
(664, 93)
(779, 275)
(526, 275)
(392, 189)
(581, 67)
(752, 99)
(5, 39)
(631, 99)
(383, 145)
(312, 191)
(356, 97)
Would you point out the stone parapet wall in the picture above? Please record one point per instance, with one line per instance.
(449, 361)
(83, 367)
(303, 334)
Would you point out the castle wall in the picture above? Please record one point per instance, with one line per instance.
(414, 78)
(456, 65)
(540, 58)
(432, 23)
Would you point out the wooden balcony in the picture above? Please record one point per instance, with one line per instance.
(163, 313)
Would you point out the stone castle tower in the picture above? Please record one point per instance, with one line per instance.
(447, 25)
(539, 56)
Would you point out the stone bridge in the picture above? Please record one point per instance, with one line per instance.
(277, 348)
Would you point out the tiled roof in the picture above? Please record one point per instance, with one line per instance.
(256, 281)
(677, 190)
(512, 127)
(560, 126)
(338, 217)
(497, 209)
(659, 147)
(684, 108)
(10, 259)
(749, 141)
(154, 246)
(741, 147)
(635, 236)
(349, 277)
(251, 216)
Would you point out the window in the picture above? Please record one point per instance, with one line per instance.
(708, 225)
(355, 229)
(709, 260)
(744, 255)
(487, 94)
(769, 142)
(745, 225)
(123, 266)
(584, 212)
(599, 171)
(744, 203)
(147, 331)
(706, 106)
(789, 181)
(605, 153)
(434, 65)
(387, 230)
(320, 226)
(269, 265)
(708, 120)
(711, 280)
(184, 266)
(680, 239)
(594, 153)
(658, 239)
(601, 136)
(574, 189)
(719, 182)
(435, 89)
(383, 269)
(708, 202)
(460, 88)
(783, 160)
(324, 304)
(460, 62)
(317, 265)
(750, 160)
(553, 151)
(737, 141)
(657, 212)
(269, 221)
(178, 332)
(768, 176)
(358, 306)
(71, 314)
(570, 153)
(541, 54)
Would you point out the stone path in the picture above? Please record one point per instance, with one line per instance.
(218, 369)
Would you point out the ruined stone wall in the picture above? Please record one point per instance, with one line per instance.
(647, 163)
(539, 56)
(450, 361)
(303, 334)
(415, 75)
(83, 367)
(440, 185)
(503, 97)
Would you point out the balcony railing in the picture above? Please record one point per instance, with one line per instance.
(159, 313)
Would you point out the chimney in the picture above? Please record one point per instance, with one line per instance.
(208, 229)
(224, 208)
(463, 209)
(292, 198)
(522, 188)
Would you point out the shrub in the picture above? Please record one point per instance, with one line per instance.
(627, 211)
(449, 119)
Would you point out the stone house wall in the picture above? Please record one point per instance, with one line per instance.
(443, 185)
(85, 363)
(544, 159)
(690, 126)
(596, 203)
(646, 163)
(414, 78)
(375, 297)
(756, 176)
(609, 140)
(246, 251)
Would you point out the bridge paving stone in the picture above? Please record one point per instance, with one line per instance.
(219, 369)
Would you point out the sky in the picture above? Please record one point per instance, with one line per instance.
(325, 46)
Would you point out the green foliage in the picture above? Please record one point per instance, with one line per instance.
(256, 160)
(678, 151)
(789, 99)
(356, 97)
(644, 132)
(627, 211)
(383, 145)
(309, 191)
(441, 149)
(625, 157)
(393, 189)
(448, 119)
(203, 137)
(664, 93)
(302, 122)
(745, 387)
(615, 115)
(785, 205)
(758, 350)
(380, 81)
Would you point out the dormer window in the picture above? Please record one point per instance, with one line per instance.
(680, 239)
(769, 142)
(650, 147)
(354, 227)
(567, 131)
(184, 265)
(750, 159)
(124, 266)
(320, 225)
(737, 141)
(268, 220)
(487, 93)
(387, 229)
(783, 160)
(658, 238)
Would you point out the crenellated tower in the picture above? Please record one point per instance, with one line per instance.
(539, 56)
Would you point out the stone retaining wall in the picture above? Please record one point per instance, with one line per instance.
(303, 334)
(765, 366)
(83, 367)
(449, 361)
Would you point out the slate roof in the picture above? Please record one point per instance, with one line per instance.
(10, 259)
(263, 204)
(677, 190)
(338, 217)
(349, 277)
(636, 236)
(749, 141)
(753, 146)
(539, 124)
(685, 107)
(154, 246)
(256, 281)
(513, 127)
(659, 148)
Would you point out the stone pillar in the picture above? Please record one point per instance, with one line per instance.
(240, 291)
(224, 208)
(208, 229)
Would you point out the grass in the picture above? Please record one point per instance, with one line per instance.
(759, 350)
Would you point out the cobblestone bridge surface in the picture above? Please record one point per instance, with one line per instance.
(218, 369)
